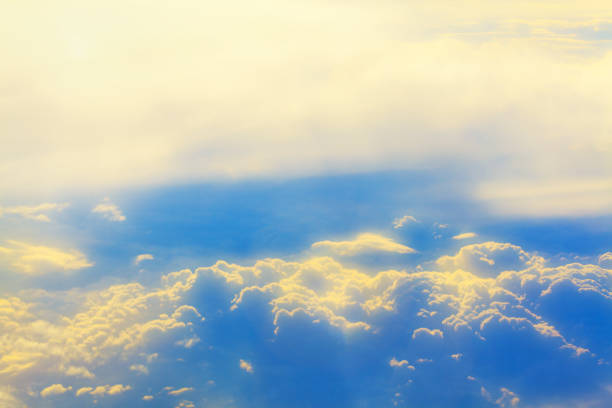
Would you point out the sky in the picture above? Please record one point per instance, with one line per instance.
(306, 204)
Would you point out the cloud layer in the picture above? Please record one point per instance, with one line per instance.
(491, 325)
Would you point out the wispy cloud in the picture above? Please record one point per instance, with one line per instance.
(400, 222)
(109, 210)
(38, 212)
(465, 235)
(363, 243)
(143, 257)
(37, 259)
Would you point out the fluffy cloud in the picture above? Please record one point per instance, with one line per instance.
(55, 389)
(102, 390)
(366, 242)
(36, 212)
(109, 210)
(426, 335)
(246, 366)
(37, 259)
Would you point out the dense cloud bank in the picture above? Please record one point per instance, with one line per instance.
(492, 325)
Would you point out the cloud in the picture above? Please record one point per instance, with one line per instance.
(357, 330)
(400, 222)
(424, 64)
(180, 391)
(55, 389)
(109, 210)
(424, 331)
(246, 366)
(37, 259)
(366, 242)
(8, 400)
(147, 397)
(36, 212)
(77, 371)
(465, 235)
(103, 390)
(400, 363)
(605, 260)
(117, 321)
(140, 368)
(143, 257)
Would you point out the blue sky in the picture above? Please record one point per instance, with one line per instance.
(306, 204)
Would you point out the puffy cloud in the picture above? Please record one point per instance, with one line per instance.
(465, 235)
(400, 363)
(37, 259)
(109, 210)
(400, 222)
(488, 259)
(112, 322)
(366, 242)
(428, 335)
(36, 212)
(143, 257)
(246, 366)
(103, 390)
(55, 389)
(424, 331)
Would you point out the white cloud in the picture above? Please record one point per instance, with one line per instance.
(55, 389)
(139, 368)
(441, 81)
(37, 259)
(246, 366)
(147, 397)
(78, 371)
(425, 332)
(8, 399)
(366, 242)
(36, 212)
(109, 210)
(103, 390)
(605, 260)
(188, 342)
(465, 235)
(143, 257)
(400, 222)
(400, 363)
(180, 391)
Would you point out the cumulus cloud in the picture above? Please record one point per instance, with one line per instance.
(362, 333)
(103, 390)
(38, 212)
(37, 259)
(246, 366)
(55, 389)
(425, 332)
(400, 363)
(109, 210)
(465, 235)
(143, 257)
(366, 242)
(400, 222)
